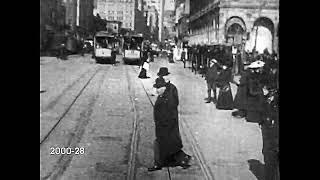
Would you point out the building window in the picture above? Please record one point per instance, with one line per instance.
(111, 18)
(120, 12)
(120, 18)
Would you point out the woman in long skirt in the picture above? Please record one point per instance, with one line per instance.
(225, 100)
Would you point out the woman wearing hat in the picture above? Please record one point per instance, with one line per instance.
(240, 99)
(225, 100)
(144, 69)
(255, 98)
(168, 143)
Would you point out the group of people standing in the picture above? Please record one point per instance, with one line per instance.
(256, 100)
(257, 87)
(219, 76)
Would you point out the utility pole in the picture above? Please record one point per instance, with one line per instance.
(78, 13)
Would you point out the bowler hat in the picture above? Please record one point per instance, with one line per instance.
(163, 71)
(159, 83)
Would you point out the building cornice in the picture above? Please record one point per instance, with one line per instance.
(267, 5)
(273, 6)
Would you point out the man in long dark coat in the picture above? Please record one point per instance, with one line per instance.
(168, 143)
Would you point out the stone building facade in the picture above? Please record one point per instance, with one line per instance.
(152, 21)
(117, 10)
(235, 22)
(52, 19)
(86, 14)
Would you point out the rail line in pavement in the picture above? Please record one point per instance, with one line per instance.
(195, 147)
(134, 143)
(75, 136)
(69, 106)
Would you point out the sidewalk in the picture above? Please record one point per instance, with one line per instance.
(228, 144)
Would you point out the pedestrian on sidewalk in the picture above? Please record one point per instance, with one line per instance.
(211, 78)
(225, 100)
(255, 100)
(240, 100)
(168, 144)
(144, 68)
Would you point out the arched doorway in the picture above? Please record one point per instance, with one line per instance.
(235, 29)
(262, 35)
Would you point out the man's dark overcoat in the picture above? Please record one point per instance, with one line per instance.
(166, 123)
(212, 74)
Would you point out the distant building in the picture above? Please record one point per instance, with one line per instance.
(114, 26)
(155, 3)
(245, 23)
(152, 22)
(181, 20)
(86, 14)
(59, 16)
(52, 20)
(117, 10)
(79, 13)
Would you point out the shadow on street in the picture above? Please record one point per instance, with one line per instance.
(257, 168)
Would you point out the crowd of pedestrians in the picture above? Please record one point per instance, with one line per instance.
(256, 100)
(257, 96)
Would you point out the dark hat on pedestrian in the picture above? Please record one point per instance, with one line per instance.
(163, 71)
(160, 82)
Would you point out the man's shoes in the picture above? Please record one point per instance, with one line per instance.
(184, 165)
(238, 114)
(154, 168)
(188, 157)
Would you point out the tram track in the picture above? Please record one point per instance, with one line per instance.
(134, 143)
(75, 135)
(71, 104)
(70, 86)
(208, 174)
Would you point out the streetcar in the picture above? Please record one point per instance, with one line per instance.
(104, 47)
(133, 48)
